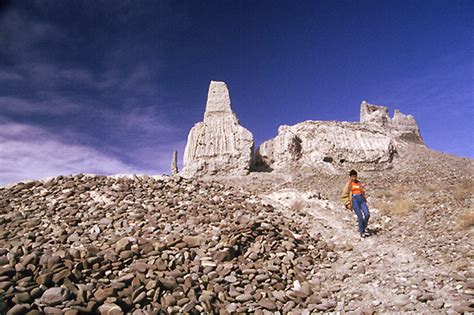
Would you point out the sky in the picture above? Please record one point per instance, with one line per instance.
(112, 87)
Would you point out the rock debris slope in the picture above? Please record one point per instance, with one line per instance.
(86, 244)
(219, 144)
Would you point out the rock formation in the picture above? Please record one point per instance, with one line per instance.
(219, 144)
(405, 127)
(313, 142)
(373, 140)
(400, 126)
(374, 114)
(174, 163)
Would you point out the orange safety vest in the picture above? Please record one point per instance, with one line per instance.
(357, 188)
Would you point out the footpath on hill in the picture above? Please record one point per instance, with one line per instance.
(381, 273)
(419, 255)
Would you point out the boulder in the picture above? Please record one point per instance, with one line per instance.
(110, 309)
(123, 244)
(219, 144)
(54, 296)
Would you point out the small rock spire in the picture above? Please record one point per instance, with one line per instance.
(174, 163)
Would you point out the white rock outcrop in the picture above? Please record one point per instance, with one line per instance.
(219, 144)
(174, 163)
(311, 143)
(400, 126)
(373, 140)
(374, 114)
(405, 127)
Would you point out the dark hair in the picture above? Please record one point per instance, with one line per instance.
(352, 172)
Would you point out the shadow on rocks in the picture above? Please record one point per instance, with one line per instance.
(374, 231)
(3, 305)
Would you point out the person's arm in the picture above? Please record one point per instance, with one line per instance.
(346, 195)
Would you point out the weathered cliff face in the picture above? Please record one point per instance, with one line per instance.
(312, 142)
(219, 144)
(373, 140)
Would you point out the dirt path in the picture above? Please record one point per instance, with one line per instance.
(378, 274)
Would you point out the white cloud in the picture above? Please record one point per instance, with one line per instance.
(28, 152)
(54, 106)
(6, 75)
(146, 121)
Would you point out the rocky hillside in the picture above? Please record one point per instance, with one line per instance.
(266, 242)
(419, 255)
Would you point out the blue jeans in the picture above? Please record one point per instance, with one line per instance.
(360, 208)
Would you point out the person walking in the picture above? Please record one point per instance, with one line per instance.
(353, 197)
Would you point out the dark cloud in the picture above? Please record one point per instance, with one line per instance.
(4, 5)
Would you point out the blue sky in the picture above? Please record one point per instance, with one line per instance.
(114, 86)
